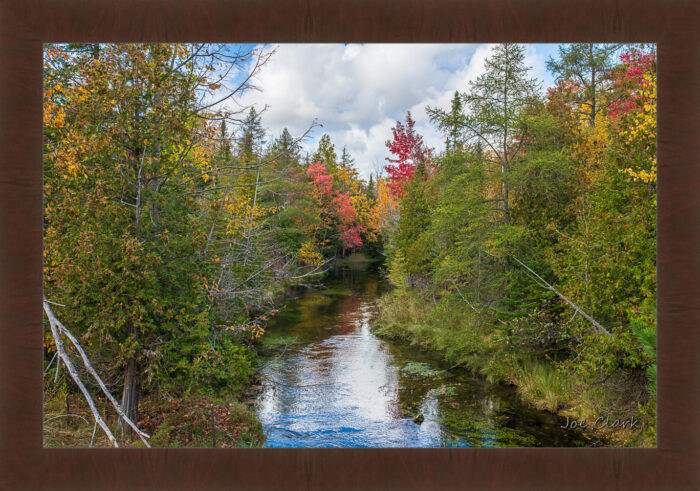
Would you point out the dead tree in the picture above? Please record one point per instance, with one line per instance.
(57, 328)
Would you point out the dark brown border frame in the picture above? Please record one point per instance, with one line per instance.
(26, 24)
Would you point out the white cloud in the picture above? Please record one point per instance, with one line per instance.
(358, 92)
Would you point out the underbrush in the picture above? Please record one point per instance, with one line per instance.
(171, 421)
(469, 340)
(188, 422)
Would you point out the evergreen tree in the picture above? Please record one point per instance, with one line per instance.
(252, 135)
(494, 103)
(285, 150)
(414, 220)
(128, 283)
(250, 143)
(451, 124)
(346, 160)
(370, 190)
(585, 66)
(325, 153)
(223, 151)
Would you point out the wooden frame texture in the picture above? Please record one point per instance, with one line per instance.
(26, 24)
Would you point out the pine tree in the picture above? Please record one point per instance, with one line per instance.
(451, 124)
(345, 159)
(494, 103)
(585, 67)
(325, 153)
(285, 149)
(250, 143)
(370, 190)
(252, 134)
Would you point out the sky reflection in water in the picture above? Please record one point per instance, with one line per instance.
(330, 382)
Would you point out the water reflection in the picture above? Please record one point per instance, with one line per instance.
(330, 382)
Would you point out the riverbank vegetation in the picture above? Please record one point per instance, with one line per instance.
(172, 225)
(526, 250)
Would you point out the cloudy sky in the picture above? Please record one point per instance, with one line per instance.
(358, 92)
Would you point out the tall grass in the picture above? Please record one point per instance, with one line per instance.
(543, 385)
(468, 339)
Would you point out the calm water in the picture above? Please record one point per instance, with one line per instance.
(328, 381)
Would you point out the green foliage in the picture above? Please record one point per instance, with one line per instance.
(415, 218)
(325, 153)
(124, 271)
(585, 66)
(537, 332)
(214, 365)
(538, 204)
(645, 332)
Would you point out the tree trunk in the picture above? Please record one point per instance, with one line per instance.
(250, 218)
(593, 101)
(130, 395)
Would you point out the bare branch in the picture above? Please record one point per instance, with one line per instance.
(261, 59)
(94, 374)
(53, 322)
(94, 431)
(598, 328)
(50, 363)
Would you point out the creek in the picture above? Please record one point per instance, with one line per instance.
(329, 381)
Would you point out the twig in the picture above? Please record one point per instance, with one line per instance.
(467, 301)
(58, 367)
(50, 363)
(458, 365)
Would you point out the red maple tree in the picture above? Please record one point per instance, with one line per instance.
(631, 81)
(407, 147)
(342, 208)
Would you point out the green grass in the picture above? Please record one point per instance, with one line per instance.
(446, 326)
(543, 385)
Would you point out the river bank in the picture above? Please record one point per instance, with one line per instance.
(179, 415)
(352, 363)
(329, 381)
(181, 421)
(441, 327)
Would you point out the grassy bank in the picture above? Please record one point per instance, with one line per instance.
(468, 339)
